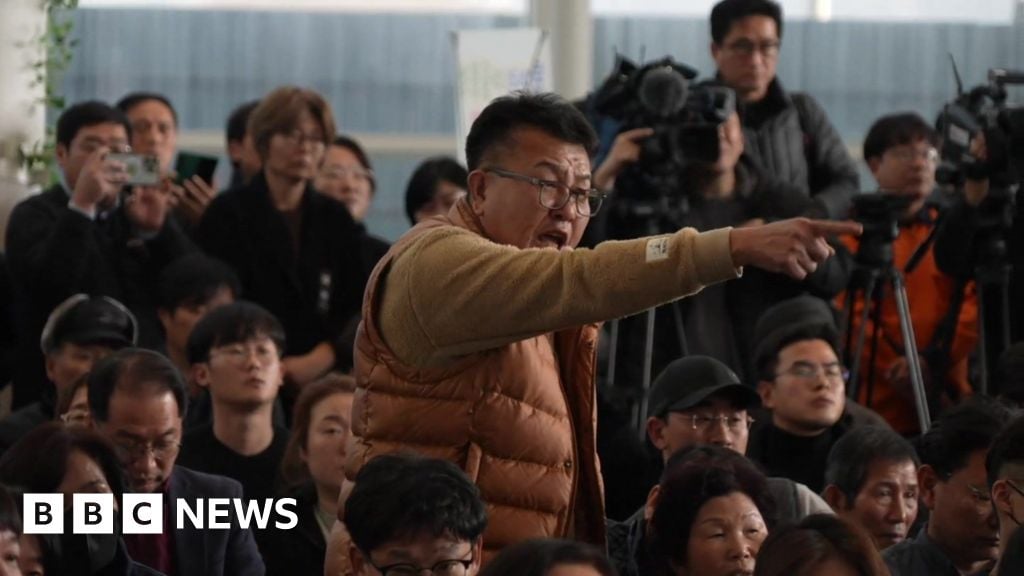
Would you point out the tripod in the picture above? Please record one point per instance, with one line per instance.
(877, 273)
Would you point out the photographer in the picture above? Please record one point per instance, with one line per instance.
(731, 191)
(900, 152)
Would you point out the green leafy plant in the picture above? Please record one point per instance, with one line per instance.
(56, 46)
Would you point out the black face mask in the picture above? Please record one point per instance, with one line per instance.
(81, 554)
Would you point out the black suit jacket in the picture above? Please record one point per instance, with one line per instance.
(210, 552)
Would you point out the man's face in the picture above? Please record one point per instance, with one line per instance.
(178, 323)
(907, 170)
(747, 56)
(297, 153)
(962, 519)
(806, 396)
(154, 131)
(145, 427)
(72, 361)
(886, 505)
(343, 178)
(420, 553)
(510, 210)
(716, 421)
(72, 158)
(244, 375)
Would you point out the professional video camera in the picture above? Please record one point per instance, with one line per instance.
(983, 110)
(685, 120)
(879, 213)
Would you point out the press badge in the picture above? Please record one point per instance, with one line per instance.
(657, 249)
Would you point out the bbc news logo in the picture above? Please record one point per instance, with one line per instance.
(144, 513)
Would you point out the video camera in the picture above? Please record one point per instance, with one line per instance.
(685, 120)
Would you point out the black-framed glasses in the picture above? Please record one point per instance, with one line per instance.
(734, 422)
(555, 195)
(451, 567)
(1016, 488)
(746, 48)
(133, 451)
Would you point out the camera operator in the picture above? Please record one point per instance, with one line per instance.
(900, 151)
(787, 132)
(732, 191)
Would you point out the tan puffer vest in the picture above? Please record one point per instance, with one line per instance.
(519, 420)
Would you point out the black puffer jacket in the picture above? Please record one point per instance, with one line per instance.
(791, 138)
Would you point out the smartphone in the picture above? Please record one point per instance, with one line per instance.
(190, 164)
(142, 169)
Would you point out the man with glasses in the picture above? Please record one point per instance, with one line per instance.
(1005, 468)
(89, 234)
(698, 400)
(478, 338)
(962, 536)
(235, 353)
(137, 399)
(802, 388)
(900, 150)
(787, 132)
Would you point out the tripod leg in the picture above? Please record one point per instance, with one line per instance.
(876, 334)
(983, 343)
(858, 350)
(648, 361)
(910, 349)
(684, 348)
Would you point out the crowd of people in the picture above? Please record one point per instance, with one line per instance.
(440, 404)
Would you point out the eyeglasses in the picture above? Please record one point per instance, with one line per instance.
(162, 450)
(834, 372)
(1016, 488)
(931, 155)
(555, 195)
(442, 568)
(240, 353)
(341, 172)
(735, 423)
(298, 138)
(746, 48)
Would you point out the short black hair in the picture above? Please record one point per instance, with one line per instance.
(85, 114)
(547, 112)
(38, 462)
(133, 99)
(897, 130)
(407, 495)
(768, 363)
(193, 280)
(423, 183)
(964, 430)
(231, 324)
(354, 147)
(1007, 448)
(727, 12)
(238, 121)
(692, 477)
(850, 457)
(539, 556)
(133, 370)
(817, 539)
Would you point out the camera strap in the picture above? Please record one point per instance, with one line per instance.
(922, 250)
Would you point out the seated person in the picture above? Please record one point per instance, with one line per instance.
(711, 515)
(822, 544)
(549, 557)
(73, 404)
(695, 401)
(1005, 469)
(189, 288)
(12, 555)
(871, 481)
(79, 333)
(434, 188)
(55, 459)
(962, 535)
(901, 152)
(802, 387)
(235, 352)
(408, 514)
(313, 470)
(137, 398)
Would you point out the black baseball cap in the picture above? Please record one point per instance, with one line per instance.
(687, 382)
(793, 320)
(84, 319)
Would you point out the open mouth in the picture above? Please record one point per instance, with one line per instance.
(554, 239)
